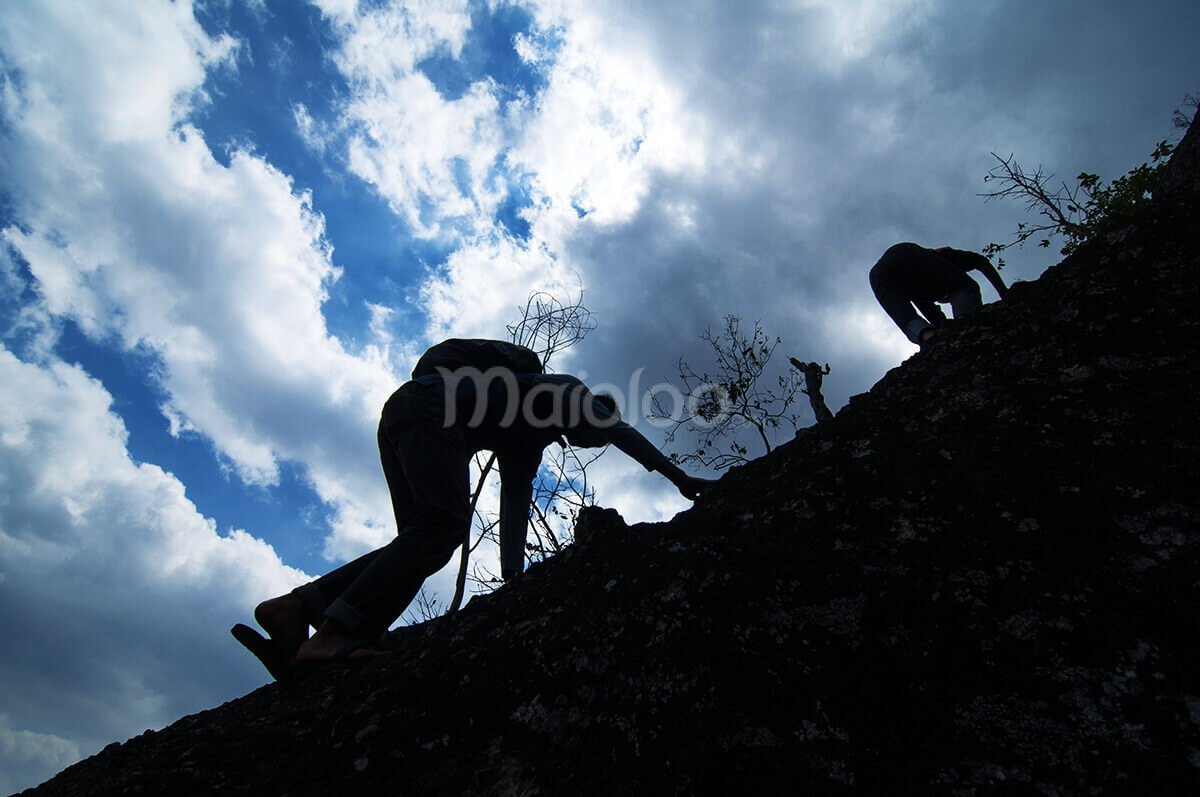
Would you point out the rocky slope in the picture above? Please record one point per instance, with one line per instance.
(983, 572)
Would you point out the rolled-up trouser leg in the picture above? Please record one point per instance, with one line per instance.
(434, 463)
(318, 594)
(385, 588)
(966, 299)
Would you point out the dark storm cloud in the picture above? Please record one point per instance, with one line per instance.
(868, 135)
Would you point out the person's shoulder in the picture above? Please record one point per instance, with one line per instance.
(965, 259)
(566, 380)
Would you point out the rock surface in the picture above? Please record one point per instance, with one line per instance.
(984, 572)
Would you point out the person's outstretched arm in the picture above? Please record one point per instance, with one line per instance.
(631, 442)
(989, 271)
(973, 261)
(690, 487)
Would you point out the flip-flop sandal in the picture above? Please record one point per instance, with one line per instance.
(267, 651)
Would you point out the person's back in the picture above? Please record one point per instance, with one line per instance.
(481, 354)
(501, 409)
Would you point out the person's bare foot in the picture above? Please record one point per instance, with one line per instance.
(285, 619)
(331, 643)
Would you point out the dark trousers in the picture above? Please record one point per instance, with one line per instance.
(427, 472)
(909, 274)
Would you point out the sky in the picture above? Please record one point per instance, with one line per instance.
(228, 228)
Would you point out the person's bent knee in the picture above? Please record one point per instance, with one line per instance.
(438, 527)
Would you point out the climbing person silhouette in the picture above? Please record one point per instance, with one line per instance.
(429, 430)
(909, 275)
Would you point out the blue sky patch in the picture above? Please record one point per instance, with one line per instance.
(283, 515)
(508, 213)
(488, 52)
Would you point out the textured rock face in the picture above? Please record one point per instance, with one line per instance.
(1182, 181)
(983, 572)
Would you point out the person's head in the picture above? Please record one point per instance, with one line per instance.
(600, 413)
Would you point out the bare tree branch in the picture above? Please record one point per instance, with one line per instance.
(549, 322)
(552, 322)
(460, 581)
(1078, 212)
(719, 407)
(426, 608)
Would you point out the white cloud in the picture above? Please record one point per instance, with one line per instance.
(100, 552)
(606, 123)
(639, 495)
(588, 144)
(312, 132)
(31, 321)
(838, 33)
(28, 755)
(133, 229)
(430, 157)
(387, 40)
(480, 288)
(411, 143)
